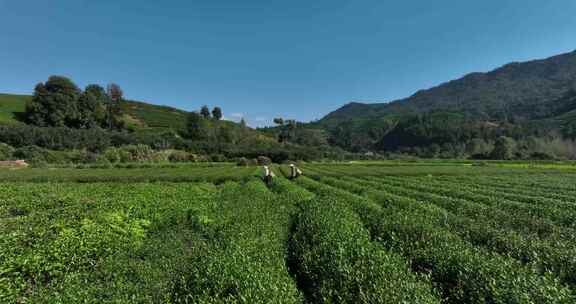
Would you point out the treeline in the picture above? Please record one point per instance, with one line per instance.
(289, 131)
(66, 124)
(60, 103)
(441, 134)
(94, 144)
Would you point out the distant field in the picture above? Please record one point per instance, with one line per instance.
(371, 232)
(179, 173)
(156, 117)
(10, 105)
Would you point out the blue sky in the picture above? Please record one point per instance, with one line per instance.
(264, 59)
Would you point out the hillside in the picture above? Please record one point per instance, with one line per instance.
(524, 90)
(523, 101)
(10, 106)
(141, 115)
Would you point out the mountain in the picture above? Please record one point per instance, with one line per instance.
(534, 99)
(528, 90)
(140, 115)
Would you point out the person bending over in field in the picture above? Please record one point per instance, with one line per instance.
(294, 171)
(268, 175)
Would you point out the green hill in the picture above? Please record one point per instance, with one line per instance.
(519, 100)
(140, 115)
(10, 106)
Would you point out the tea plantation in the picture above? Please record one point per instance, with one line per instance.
(341, 233)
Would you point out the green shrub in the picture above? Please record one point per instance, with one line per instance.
(264, 160)
(33, 154)
(218, 158)
(137, 153)
(113, 155)
(242, 162)
(180, 156)
(336, 261)
(244, 258)
(6, 151)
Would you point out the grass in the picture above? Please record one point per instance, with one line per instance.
(10, 106)
(156, 117)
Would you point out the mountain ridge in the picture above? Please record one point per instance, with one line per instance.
(541, 80)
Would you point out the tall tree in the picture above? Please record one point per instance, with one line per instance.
(217, 113)
(92, 107)
(243, 122)
(205, 112)
(114, 107)
(197, 127)
(54, 103)
(101, 101)
(87, 104)
(503, 148)
(226, 134)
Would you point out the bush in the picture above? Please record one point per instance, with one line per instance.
(137, 153)
(542, 156)
(263, 160)
(180, 156)
(202, 158)
(33, 154)
(160, 156)
(6, 151)
(242, 162)
(112, 155)
(337, 262)
(218, 158)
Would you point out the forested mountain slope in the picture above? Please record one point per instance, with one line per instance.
(526, 90)
(535, 99)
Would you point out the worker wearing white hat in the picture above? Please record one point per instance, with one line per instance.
(294, 171)
(268, 175)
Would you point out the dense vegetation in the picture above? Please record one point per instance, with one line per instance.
(519, 111)
(63, 124)
(531, 102)
(390, 232)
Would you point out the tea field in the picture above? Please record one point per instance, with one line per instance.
(342, 233)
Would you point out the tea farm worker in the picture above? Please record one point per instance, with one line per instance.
(268, 175)
(294, 171)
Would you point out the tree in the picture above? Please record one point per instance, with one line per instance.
(205, 112)
(226, 134)
(288, 131)
(86, 105)
(114, 107)
(5, 151)
(217, 113)
(115, 92)
(92, 107)
(101, 100)
(54, 103)
(279, 121)
(197, 127)
(311, 137)
(478, 148)
(503, 148)
(243, 122)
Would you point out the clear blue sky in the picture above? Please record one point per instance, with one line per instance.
(262, 59)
